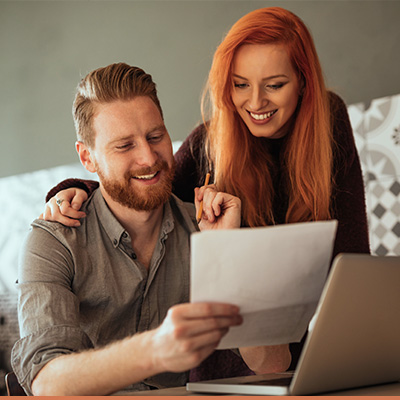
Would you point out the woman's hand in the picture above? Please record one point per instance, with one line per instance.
(64, 207)
(220, 210)
(267, 359)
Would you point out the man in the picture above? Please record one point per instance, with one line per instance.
(103, 307)
(99, 305)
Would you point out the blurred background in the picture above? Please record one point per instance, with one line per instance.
(47, 46)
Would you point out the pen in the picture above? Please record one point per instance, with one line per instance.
(201, 203)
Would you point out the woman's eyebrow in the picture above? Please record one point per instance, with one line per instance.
(264, 79)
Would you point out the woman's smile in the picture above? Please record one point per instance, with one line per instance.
(262, 118)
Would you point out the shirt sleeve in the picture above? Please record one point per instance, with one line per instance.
(87, 185)
(349, 193)
(48, 310)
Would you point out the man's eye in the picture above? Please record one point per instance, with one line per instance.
(124, 146)
(155, 139)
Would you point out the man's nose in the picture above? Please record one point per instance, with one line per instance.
(146, 156)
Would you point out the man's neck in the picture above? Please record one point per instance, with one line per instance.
(142, 226)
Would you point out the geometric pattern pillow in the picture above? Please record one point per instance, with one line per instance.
(377, 133)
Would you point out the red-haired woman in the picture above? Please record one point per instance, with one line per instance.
(277, 139)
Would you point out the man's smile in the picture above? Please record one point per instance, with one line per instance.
(146, 177)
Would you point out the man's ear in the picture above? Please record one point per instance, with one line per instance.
(85, 156)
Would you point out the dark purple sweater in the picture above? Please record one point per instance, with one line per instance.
(348, 200)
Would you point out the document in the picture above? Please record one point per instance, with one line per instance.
(274, 274)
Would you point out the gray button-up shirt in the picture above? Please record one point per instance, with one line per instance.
(82, 288)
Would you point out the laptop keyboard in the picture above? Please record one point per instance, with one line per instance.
(272, 382)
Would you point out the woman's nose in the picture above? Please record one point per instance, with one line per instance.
(257, 100)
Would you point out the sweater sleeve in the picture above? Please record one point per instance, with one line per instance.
(349, 194)
(87, 185)
(190, 165)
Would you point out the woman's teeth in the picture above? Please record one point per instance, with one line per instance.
(260, 117)
(146, 177)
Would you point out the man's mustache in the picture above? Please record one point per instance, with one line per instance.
(158, 166)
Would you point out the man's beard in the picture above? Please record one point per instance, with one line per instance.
(147, 198)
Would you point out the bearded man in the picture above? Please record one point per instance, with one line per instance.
(103, 307)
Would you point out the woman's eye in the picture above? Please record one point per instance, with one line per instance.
(275, 87)
(240, 85)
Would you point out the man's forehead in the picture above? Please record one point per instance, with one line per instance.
(139, 112)
(138, 104)
(126, 120)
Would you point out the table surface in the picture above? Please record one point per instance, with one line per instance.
(392, 389)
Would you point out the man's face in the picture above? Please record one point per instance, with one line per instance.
(133, 153)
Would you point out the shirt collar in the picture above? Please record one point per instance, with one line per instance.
(112, 226)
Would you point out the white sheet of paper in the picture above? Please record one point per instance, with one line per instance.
(274, 274)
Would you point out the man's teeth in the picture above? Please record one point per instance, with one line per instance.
(260, 117)
(146, 177)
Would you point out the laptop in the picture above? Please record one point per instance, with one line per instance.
(353, 339)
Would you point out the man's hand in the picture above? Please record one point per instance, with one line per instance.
(190, 333)
(67, 211)
(220, 210)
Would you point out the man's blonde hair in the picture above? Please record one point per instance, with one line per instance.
(105, 85)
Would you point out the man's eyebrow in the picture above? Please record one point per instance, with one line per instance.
(121, 139)
(264, 79)
(160, 127)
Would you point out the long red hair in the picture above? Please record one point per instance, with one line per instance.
(242, 165)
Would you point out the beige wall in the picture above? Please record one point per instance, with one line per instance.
(47, 46)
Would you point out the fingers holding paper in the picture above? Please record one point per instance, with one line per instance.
(220, 210)
(190, 332)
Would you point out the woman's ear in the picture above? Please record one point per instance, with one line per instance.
(85, 156)
(302, 86)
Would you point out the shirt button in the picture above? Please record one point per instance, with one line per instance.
(115, 241)
(134, 256)
(124, 235)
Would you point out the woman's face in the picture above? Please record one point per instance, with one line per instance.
(265, 89)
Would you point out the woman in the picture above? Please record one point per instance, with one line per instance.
(276, 138)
